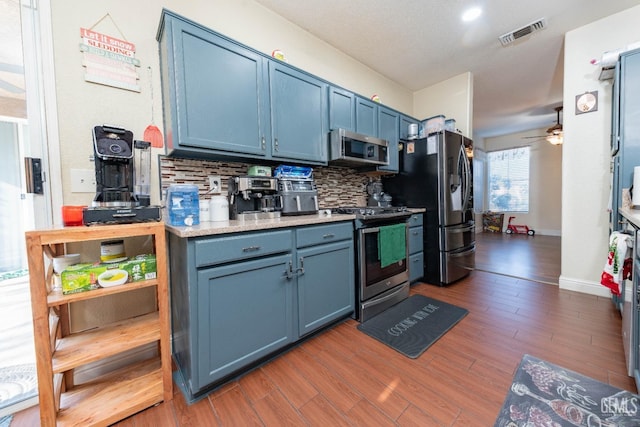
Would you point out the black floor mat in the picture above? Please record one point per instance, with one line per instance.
(412, 325)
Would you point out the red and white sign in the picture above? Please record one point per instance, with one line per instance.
(109, 61)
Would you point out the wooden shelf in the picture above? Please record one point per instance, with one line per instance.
(58, 298)
(115, 396)
(96, 344)
(110, 398)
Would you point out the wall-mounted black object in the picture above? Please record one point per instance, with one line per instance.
(33, 170)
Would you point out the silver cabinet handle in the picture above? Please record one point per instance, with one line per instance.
(251, 249)
(329, 236)
(300, 270)
(263, 143)
(276, 144)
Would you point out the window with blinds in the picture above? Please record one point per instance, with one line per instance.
(508, 174)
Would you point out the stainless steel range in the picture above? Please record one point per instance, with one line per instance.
(378, 285)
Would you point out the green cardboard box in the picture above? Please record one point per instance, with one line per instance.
(84, 277)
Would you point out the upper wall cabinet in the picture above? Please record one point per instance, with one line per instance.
(366, 116)
(342, 113)
(224, 100)
(389, 129)
(405, 121)
(299, 115)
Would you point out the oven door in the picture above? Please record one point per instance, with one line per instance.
(372, 277)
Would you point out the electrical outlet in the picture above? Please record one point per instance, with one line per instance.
(83, 181)
(215, 184)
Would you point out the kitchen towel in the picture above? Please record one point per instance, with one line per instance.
(392, 244)
(635, 199)
(617, 268)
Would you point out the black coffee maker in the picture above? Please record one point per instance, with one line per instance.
(115, 201)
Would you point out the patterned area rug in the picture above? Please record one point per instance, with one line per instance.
(543, 394)
(17, 383)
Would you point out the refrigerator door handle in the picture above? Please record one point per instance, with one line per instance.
(466, 181)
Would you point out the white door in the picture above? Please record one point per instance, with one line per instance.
(21, 136)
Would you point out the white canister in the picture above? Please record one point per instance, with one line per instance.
(205, 210)
(219, 208)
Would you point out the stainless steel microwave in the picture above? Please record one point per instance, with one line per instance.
(354, 149)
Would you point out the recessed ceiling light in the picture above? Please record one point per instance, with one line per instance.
(471, 14)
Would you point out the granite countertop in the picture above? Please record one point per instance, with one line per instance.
(633, 215)
(207, 228)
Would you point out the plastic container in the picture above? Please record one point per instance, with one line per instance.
(183, 205)
(72, 215)
(259, 171)
(219, 208)
(433, 124)
(450, 125)
(300, 172)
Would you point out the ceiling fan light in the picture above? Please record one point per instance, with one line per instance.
(554, 139)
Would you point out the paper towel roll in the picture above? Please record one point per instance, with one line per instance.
(635, 199)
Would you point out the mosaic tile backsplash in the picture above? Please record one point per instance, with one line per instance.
(337, 186)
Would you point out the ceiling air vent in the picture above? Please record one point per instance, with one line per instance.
(514, 35)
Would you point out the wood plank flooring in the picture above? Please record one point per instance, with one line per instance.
(518, 255)
(342, 377)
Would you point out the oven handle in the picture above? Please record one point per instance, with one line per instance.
(367, 230)
(463, 253)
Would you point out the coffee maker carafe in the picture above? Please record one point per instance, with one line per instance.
(253, 197)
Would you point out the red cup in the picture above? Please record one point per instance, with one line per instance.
(72, 215)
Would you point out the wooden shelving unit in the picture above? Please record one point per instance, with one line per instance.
(118, 394)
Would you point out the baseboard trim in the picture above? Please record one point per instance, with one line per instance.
(588, 287)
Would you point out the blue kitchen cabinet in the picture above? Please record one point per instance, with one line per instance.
(215, 93)
(237, 299)
(405, 121)
(416, 248)
(389, 129)
(244, 313)
(223, 100)
(366, 116)
(342, 113)
(299, 115)
(326, 279)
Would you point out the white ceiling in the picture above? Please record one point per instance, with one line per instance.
(418, 43)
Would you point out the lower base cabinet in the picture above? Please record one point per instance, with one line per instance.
(416, 248)
(238, 299)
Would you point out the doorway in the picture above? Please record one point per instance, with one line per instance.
(22, 94)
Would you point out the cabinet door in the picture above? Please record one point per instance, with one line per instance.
(326, 284)
(244, 312)
(221, 96)
(416, 267)
(299, 115)
(389, 129)
(366, 116)
(405, 121)
(342, 109)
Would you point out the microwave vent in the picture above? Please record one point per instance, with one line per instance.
(514, 35)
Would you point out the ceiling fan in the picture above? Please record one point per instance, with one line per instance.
(554, 133)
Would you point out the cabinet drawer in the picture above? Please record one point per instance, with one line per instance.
(217, 250)
(319, 234)
(416, 267)
(415, 220)
(416, 243)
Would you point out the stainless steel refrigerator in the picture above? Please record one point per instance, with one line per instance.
(435, 174)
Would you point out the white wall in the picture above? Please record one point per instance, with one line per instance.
(452, 97)
(83, 105)
(545, 180)
(586, 158)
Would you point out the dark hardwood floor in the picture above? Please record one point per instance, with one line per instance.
(344, 377)
(519, 255)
